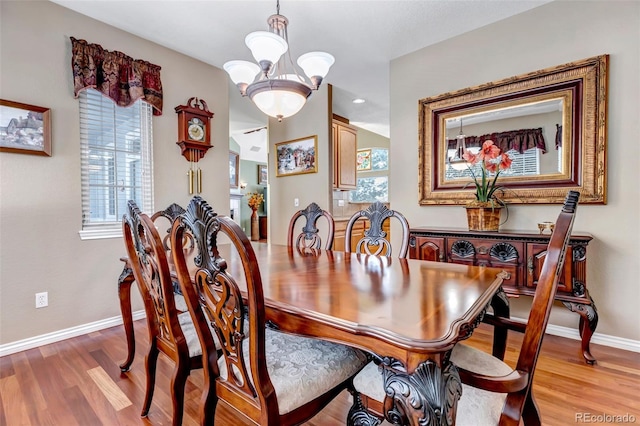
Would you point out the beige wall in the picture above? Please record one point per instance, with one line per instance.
(313, 119)
(40, 249)
(552, 34)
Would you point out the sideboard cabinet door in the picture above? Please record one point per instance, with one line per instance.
(535, 260)
(427, 248)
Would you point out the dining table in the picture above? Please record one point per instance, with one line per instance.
(407, 314)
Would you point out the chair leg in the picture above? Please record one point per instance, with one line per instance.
(208, 405)
(178, 381)
(151, 362)
(358, 414)
(530, 412)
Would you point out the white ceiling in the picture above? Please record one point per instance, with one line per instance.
(363, 36)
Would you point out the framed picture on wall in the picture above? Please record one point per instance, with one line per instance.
(297, 156)
(262, 174)
(25, 129)
(234, 169)
(363, 159)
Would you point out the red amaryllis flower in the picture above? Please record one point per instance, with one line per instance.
(489, 151)
(492, 160)
(505, 162)
(491, 167)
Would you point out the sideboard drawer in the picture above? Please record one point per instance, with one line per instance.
(508, 255)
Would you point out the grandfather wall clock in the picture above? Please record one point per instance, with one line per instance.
(194, 137)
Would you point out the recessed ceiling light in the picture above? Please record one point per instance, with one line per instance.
(359, 101)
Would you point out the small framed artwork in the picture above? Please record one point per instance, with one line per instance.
(297, 156)
(234, 169)
(262, 174)
(363, 159)
(25, 129)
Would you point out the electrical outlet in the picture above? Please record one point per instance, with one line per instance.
(42, 299)
(340, 203)
(296, 202)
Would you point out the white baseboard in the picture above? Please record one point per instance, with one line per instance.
(597, 338)
(56, 336)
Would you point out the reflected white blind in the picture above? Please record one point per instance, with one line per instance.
(525, 164)
(117, 160)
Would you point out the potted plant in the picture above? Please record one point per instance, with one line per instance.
(483, 214)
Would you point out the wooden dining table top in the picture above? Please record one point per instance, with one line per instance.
(390, 306)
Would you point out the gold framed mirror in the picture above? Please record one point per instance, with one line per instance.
(552, 122)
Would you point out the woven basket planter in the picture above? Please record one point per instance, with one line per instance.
(483, 218)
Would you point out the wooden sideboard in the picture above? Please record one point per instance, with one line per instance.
(522, 255)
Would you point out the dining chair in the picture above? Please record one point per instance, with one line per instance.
(265, 375)
(375, 240)
(493, 393)
(171, 331)
(310, 237)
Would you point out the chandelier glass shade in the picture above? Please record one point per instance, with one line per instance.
(274, 84)
(457, 162)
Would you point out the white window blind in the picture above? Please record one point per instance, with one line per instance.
(117, 162)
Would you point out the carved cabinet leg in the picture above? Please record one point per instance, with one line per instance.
(124, 292)
(588, 323)
(428, 396)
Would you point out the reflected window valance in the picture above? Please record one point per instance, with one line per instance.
(520, 140)
(116, 75)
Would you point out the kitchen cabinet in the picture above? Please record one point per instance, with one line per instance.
(345, 146)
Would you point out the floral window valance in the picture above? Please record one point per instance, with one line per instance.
(115, 75)
(520, 140)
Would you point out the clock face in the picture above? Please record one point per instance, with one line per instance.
(196, 129)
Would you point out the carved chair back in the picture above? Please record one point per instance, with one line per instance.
(552, 268)
(213, 295)
(166, 218)
(149, 264)
(227, 296)
(375, 240)
(309, 237)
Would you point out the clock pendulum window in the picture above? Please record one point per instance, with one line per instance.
(194, 138)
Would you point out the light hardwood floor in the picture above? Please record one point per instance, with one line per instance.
(78, 382)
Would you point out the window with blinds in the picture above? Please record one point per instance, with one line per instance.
(116, 150)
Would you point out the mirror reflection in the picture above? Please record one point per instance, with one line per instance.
(530, 133)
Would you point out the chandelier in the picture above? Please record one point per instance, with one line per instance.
(457, 162)
(274, 85)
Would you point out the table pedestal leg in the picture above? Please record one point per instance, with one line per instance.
(500, 305)
(124, 292)
(428, 396)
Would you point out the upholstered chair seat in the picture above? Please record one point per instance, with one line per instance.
(301, 369)
(478, 406)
